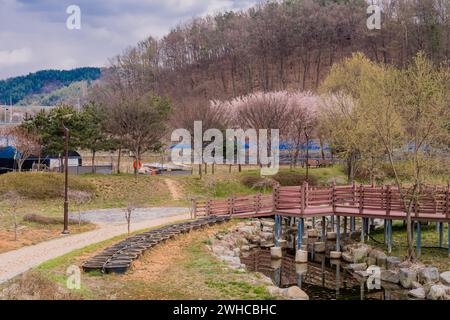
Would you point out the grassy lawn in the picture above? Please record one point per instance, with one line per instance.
(182, 268)
(430, 255)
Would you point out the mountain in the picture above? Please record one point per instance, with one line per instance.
(43, 82)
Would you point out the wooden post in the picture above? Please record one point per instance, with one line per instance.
(208, 207)
(363, 231)
(257, 202)
(303, 199)
(231, 202)
(388, 200)
(194, 208)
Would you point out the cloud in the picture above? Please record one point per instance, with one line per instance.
(108, 27)
(14, 57)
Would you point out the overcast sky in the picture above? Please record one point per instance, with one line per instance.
(34, 36)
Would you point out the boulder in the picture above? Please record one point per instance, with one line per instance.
(268, 223)
(407, 277)
(319, 247)
(331, 235)
(347, 257)
(274, 291)
(437, 292)
(312, 233)
(357, 266)
(416, 285)
(371, 261)
(246, 231)
(301, 256)
(267, 229)
(445, 277)
(335, 254)
(276, 253)
(267, 235)
(360, 253)
(392, 263)
(418, 293)
(390, 276)
(295, 293)
(218, 250)
(429, 275)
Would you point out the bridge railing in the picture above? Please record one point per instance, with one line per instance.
(430, 201)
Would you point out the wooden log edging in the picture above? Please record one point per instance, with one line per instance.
(119, 257)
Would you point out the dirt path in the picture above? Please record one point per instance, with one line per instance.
(18, 261)
(174, 188)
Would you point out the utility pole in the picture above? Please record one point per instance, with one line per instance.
(66, 181)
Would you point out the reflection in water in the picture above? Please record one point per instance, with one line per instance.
(321, 278)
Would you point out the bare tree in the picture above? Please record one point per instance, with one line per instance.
(128, 214)
(80, 198)
(13, 199)
(25, 143)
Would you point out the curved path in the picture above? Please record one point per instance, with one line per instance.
(111, 223)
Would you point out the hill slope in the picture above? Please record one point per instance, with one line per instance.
(43, 82)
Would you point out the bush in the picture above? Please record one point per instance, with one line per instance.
(288, 179)
(41, 185)
(258, 183)
(34, 218)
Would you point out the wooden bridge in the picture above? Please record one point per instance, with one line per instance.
(364, 202)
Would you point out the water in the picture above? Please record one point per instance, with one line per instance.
(321, 278)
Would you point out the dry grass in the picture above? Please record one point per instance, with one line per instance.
(182, 268)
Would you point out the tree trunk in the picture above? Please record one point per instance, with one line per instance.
(93, 161)
(118, 160)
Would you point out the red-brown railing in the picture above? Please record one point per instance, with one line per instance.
(385, 201)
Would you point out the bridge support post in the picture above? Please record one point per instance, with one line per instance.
(390, 236)
(385, 227)
(324, 229)
(332, 223)
(352, 224)
(363, 229)
(300, 228)
(418, 239)
(338, 234)
(441, 234)
(345, 228)
(277, 227)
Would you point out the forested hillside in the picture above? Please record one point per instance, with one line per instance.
(276, 46)
(43, 82)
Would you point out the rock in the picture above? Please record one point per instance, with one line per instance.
(331, 235)
(283, 243)
(276, 253)
(357, 266)
(363, 274)
(266, 244)
(429, 275)
(381, 261)
(246, 231)
(274, 291)
(268, 223)
(236, 252)
(218, 250)
(335, 254)
(347, 257)
(304, 247)
(301, 256)
(378, 255)
(267, 235)
(390, 276)
(418, 293)
(392, 263)
(416, 285)
(295, 293)
(407, 277)
(267, 229)
(437, 292)
(371, 261)
(319, 247)
(312, 233)
(360, 253)
(445, 277)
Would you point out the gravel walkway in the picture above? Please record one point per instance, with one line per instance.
(111, 223)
